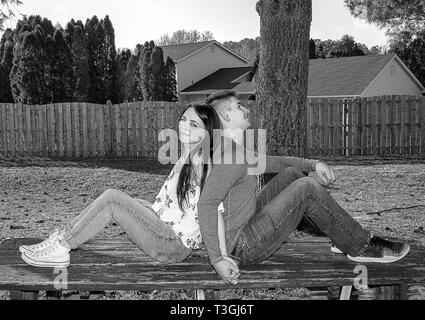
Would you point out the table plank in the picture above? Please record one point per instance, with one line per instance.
(116, 264)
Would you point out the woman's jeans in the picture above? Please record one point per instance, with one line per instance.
(282, 204)
(144, 227)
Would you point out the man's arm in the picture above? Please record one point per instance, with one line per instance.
(217, 186)
(278, 163)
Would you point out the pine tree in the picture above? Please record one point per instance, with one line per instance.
(144, 71)
(6, 60)
(110, 73)
(132, 76)
(80, 65)
(95, 39)
(60, 79)
(312, 50)
(170, 86)
(156, 78)
(28, 77)
(281, 83)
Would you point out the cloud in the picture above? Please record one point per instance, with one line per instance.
(61, 15)
(361, 25)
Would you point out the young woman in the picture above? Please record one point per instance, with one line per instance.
(168, 230)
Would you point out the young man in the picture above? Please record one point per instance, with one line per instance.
(256, 226)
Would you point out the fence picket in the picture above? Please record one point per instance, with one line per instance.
(422, 121)
(385, 125)
(60, 123)
(3, 145)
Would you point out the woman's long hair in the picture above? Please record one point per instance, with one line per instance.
(211, 121)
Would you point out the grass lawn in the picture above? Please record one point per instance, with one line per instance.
(37, 195)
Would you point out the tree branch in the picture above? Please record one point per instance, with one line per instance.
(392, 209)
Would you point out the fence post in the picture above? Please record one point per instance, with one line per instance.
(308, 126)
(422, 121)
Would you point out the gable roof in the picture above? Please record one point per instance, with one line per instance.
(349, 76)
(219, 80)
(180, 52)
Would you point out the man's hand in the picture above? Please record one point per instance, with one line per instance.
(326, 174)
(228, 270)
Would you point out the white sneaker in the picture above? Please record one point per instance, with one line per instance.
(41, 245)
(335, 250)
(55, 255)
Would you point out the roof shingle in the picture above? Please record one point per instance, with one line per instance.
(348, 76)
(179, 51)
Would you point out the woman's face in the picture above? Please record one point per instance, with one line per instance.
(191, 128)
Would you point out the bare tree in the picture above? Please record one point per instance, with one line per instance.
(183, 36)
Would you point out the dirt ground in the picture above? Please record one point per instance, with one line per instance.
(38, 194)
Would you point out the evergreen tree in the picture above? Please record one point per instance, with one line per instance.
(312, 50)
(144, 71)
(156, 78)
(28, 78)
(111, 67)
(394, 15)
(95, 39)
(60, 79)
(170, 91)
(6, 60)
(132, 76)
(80, 66)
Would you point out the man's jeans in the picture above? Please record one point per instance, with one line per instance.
(282, 204)
(144, 227)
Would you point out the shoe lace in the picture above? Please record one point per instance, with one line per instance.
(48, 241)
(49, 249)
(380, 243)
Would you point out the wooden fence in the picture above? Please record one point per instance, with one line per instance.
(84, 130)
(385, 125)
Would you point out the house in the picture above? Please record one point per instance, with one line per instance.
(362, 76)
(195, 61)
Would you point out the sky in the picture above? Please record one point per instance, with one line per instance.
(137, 21)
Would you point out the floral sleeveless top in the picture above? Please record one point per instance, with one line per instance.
(185, 224)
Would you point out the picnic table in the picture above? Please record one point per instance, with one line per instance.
(117, 264)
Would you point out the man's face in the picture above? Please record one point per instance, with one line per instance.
(238, 115)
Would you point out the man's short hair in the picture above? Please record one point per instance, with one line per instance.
(215, 99)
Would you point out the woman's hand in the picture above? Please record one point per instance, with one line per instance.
(228, 270)
(325, 173)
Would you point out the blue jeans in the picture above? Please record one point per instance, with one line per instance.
(281, 205)
(143, 226)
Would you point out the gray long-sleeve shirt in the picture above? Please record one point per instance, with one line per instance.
(233, 183)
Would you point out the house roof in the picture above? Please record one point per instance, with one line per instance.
(179, 52)
(348, 76)
(219, 80)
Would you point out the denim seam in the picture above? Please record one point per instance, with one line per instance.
(312, 194)
(139, 217)
(78, 231)
(333, 216)
(74, 234)
(275, 230)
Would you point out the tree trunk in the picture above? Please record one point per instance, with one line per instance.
(282, 79)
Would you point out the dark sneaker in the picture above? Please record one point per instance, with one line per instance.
(382, 251)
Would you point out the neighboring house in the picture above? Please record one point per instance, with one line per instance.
(362, 76)
(195, 61)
